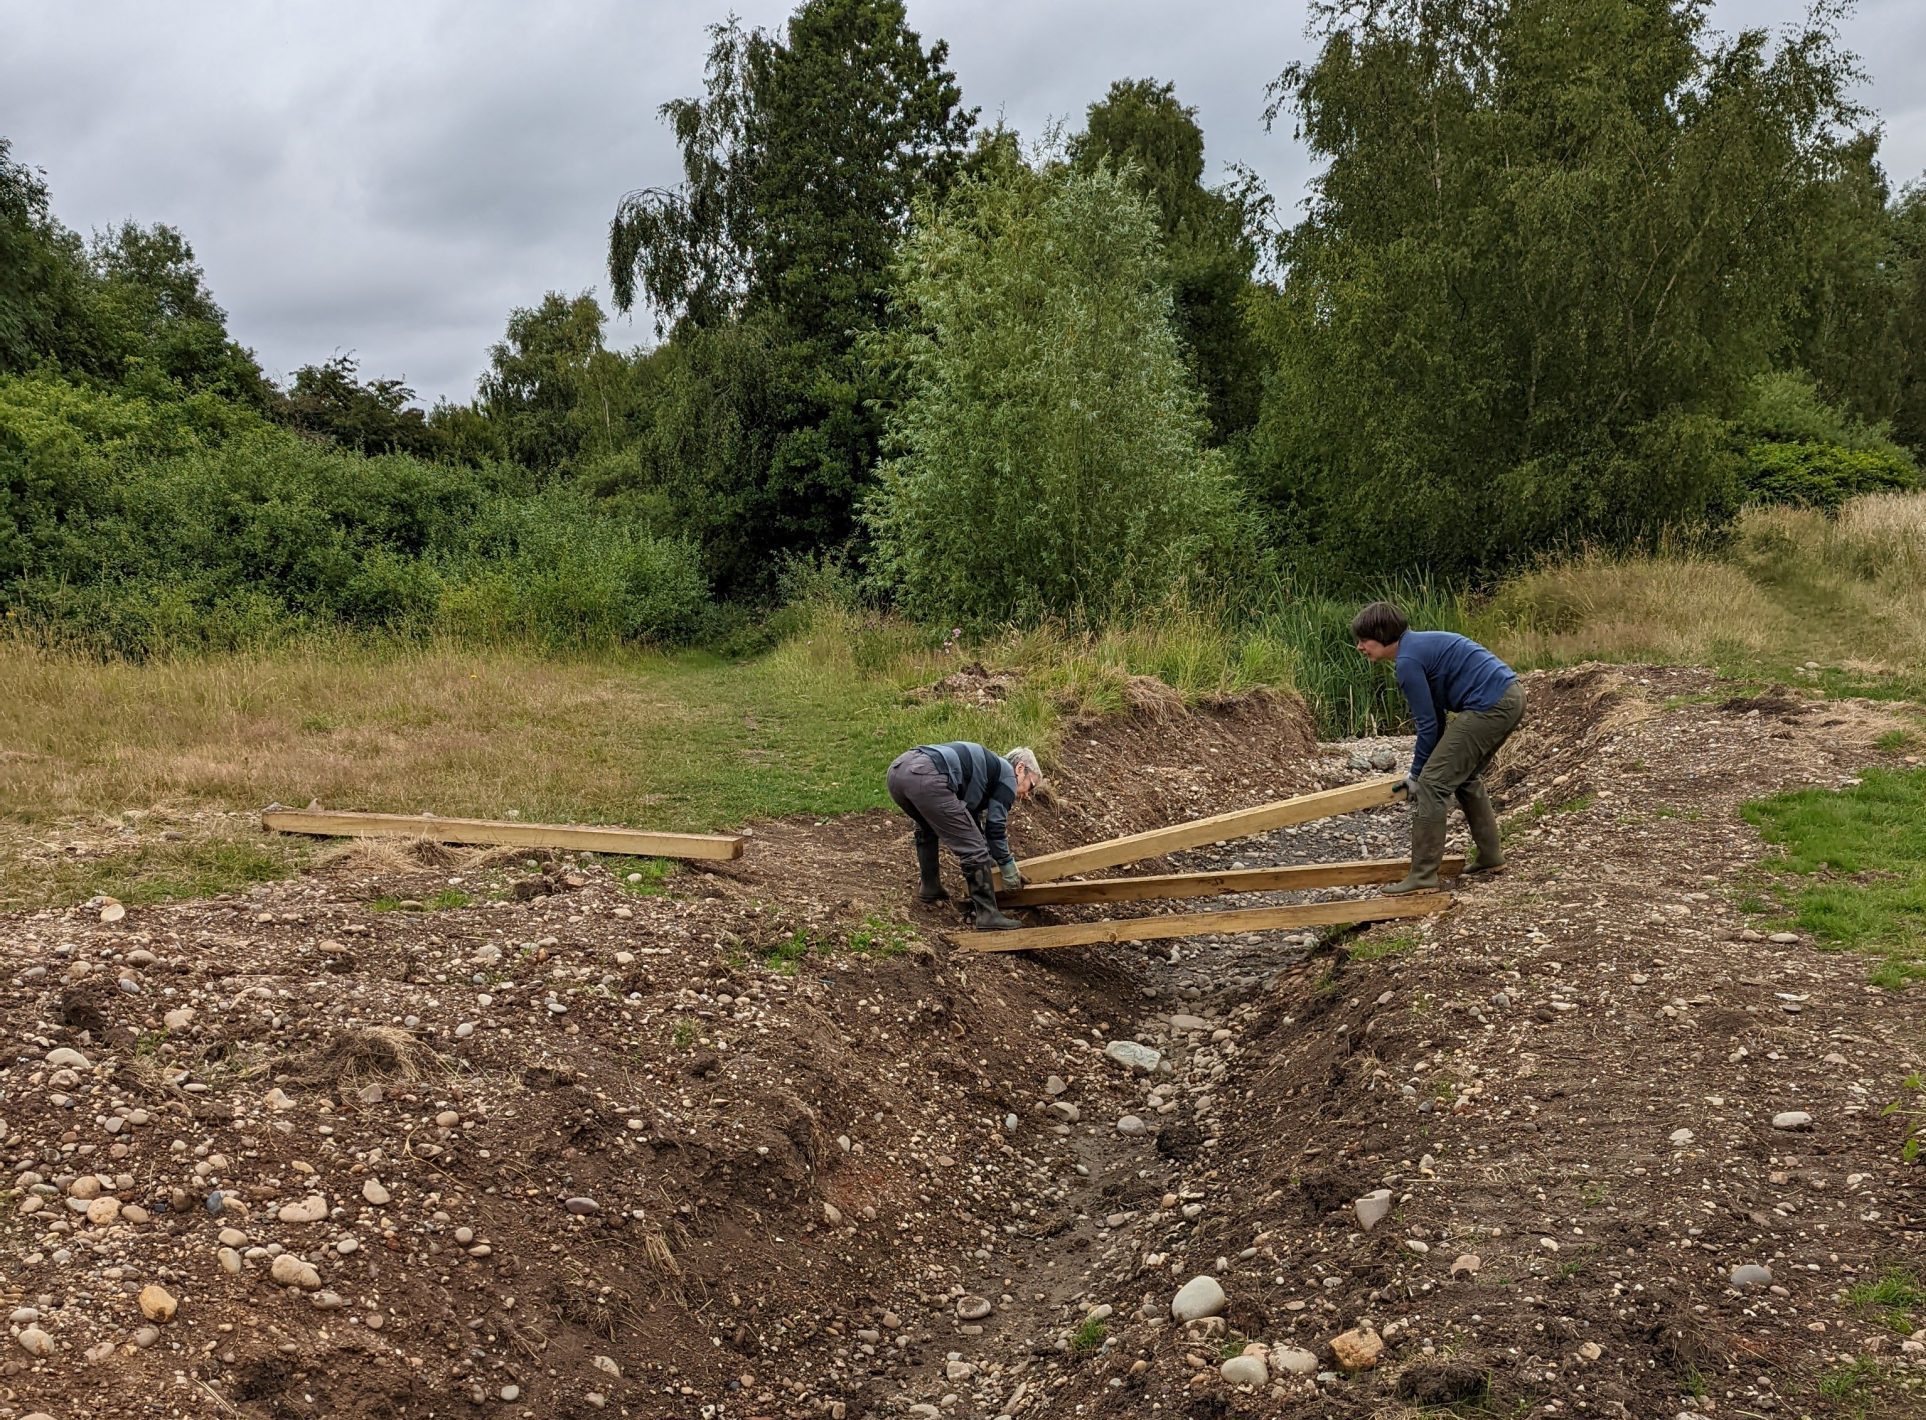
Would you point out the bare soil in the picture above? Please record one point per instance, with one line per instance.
(751, 1147)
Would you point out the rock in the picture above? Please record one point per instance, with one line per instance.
(1468, 1262)
(1784, 939)
(958, 1370)
(1358, 760)
(327, 1301)
(1792, 1119)
(113, 911)
(311, 1209)
(1130, 1124)
(1590, 1351)
(103, 1211)
(230, 1261)
(1357, 1349)
(1066, 1111)
(157, 1303)
(973, 1308)
(292, 1271)
(35, 1342)
(581, 1207)
(1133, 1055)
(1384, 761)
(510, 1392)
(1187, 1023)
(1373, 1208)
(146, 1336)
(180, 1018)
(1678, 1138)
(65, 1058)
(1055, 1086)
(375, 1193)
(1296, 1360)
(86, 1188)
(1751, 1274)
(1199, 1297)
(832, 1215)
(1247, 1370)
(608, 1364)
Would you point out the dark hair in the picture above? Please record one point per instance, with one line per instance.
(1380, 622)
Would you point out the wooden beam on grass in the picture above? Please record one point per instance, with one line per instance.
(1239, 823)
(633, 842)
(1207, 924)
(1162, 886)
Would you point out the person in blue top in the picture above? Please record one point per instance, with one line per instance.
(1466, 703)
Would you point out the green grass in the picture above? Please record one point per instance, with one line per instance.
(1911, 1107)
(877, 936)
(1896, 740)
(645, 877)
(1898, 1295)
(448, 898)
(1852, 864)
(1853, 1384)
(1088, 1337)
(787, 956)
(1390, 945)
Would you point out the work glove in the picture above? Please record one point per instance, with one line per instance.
(1409, 787)
(1012, 879)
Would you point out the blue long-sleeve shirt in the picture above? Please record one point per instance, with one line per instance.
(986, 783)
(1440, 672)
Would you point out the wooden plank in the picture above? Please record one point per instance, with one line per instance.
(1161, 886)
(632, 841)
(1239, 823)
(1202, 924)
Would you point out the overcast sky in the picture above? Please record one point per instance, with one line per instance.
(392, 178)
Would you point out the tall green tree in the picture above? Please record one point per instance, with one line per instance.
(1550, 243)
(160, 320)
(1209, 235)
(800, 164)
(331, 402)
(1051, 440)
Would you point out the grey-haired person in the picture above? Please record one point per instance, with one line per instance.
(959, 796)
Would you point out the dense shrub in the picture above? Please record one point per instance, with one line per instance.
(135, 525)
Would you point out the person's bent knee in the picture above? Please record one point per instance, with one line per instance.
(1430, 794)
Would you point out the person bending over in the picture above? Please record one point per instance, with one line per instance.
(959, 796)
(1466, 703)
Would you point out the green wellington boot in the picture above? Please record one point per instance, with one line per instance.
(983, 899)
(1427, 851)
(929, 867)
(1482, 819)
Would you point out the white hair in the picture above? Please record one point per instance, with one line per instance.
(1025, 757)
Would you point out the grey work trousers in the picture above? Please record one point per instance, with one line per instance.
(1456, 766)
(921, 791)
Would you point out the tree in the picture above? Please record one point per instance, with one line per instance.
(46, 285)
(1551, 242)
(1209, 235)
(800, 164)
(536, 375)
(160, 320)
(329, 401)
(1050, 443)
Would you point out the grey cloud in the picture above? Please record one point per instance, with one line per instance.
(392, 179)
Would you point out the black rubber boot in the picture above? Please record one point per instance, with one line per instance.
(983, 900)
(1482, 820)
(1427, 851)
(929, 866)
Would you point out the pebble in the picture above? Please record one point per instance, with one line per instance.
(1357, 1349)
(157, 1303)
(1296, 1360)
(581, 1206)
(1751, 1274)
(1199, 1297)
(1130, 1124)
(374, 1192)
(1783, 938)
(292, 1271)
(1792, 1119)
(1245, 1370)
(35, 1342)
(973, 1308)
(1133, 1055)
(230, 1261)
(1680, 1137)
(1373, 1208)
(1188, 1023)
(311, 1209)
(1055, 1085)
(328, 1301)
(63, 1057)
(511, 1392)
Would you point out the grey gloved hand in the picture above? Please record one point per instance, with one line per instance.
(1410, 785)
(1012, 879)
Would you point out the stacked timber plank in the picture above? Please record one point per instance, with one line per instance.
(632, 841)
(1047, 880)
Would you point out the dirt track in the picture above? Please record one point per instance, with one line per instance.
(649, 1156)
